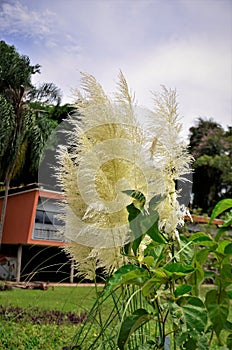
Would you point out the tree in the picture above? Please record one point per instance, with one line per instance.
(211, 147)
(22, 127)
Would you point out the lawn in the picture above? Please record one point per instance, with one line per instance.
(76, 299)
(38, 336)
(27, 335)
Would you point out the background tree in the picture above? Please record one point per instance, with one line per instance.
(211, 147)
(24, 129)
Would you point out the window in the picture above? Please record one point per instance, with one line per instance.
(47, 225)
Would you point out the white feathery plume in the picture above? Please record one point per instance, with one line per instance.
(107, 154)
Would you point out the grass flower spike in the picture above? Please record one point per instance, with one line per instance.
(108, 154)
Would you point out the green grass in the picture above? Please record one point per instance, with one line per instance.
(16, 336)
(75, 299)
(25, 336)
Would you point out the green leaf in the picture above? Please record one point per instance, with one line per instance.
(156, 250)
(218, 309)
(159, 277)
(128, 274)
(220, 207)
(228, 249)
(202, 255)
(222, 246)
(228, 326)
(219, 256)
(194, 312)
(149, 226)
(149, 261)
(202, 239)
(227, 221)
(130, 325)
(181, 290)
(220, 233)
(177, 270)
(225, 277)
(187, 251)
(196, 278)
(138, 196)
(229, 341)
(155, 201)
(134, 222)
(199, 237)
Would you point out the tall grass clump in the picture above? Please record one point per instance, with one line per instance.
(123, 216)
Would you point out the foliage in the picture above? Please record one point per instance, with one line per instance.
(110, 155)
(156, 287)
(210, 145)
(26, 336)
(163, 289)
(15, 70)
(23, 128)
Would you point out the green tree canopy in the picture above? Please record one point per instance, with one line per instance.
(24, 128)
(211, 147)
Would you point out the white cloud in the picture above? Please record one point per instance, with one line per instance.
(17, 18)
(183, 44)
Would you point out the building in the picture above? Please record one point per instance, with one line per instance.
(32, 242)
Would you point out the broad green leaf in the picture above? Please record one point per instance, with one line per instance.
(202, 255)
(228, 326)
(149, 261)
(138, 196)
(218, 309)
(134, 222)
(219, 256)
(228, 249)
(220, 207)
(149, 226)
(199, 237)
(229, 341)
(196, 278)
(202, 342)
(220, 233)
(155, 201)
(159, 277)
(229, 292)
(182, 340)
(177, 270)
(187, 251)
(181, 290)
(156, 250)
(195, 313)
(177, 267)
(222, 246)
(228, 220)
(130, 325)
(128, 274)
(225, 277)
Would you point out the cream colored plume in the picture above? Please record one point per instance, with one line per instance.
(108, 153)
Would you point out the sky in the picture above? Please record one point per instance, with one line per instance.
(183, 44)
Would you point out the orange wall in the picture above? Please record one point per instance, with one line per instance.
(20, 217)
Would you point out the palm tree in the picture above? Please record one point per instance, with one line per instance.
(20, 123)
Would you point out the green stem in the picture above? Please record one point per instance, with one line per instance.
(160, 322)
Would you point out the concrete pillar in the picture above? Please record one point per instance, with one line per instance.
(71, 272)
(19, 261)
